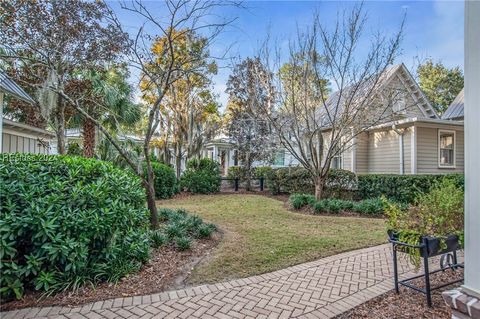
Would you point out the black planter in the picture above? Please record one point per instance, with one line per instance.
(432, 245)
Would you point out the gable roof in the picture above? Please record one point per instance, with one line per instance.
(7, 85)
(455, 110)
(390, 73)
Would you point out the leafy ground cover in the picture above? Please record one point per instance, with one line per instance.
(261, 235)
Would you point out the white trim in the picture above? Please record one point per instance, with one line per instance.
(354, 154)
(472, 148)
(413, 152)
(401, 155)
(440, 131)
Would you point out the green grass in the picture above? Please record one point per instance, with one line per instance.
(262, 236)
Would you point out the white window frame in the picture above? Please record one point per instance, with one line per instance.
(440, 132)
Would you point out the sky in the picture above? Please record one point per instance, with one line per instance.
(433, 29)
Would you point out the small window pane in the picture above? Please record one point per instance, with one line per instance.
(446, 149)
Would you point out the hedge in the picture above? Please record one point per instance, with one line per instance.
(165, 180)
(340, 183)
(401, 188)
(67, 221)
(201, 176)
(257, 172)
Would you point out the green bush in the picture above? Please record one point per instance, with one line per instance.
(180, 224)
(438, 213)
(339, 183)
(183, 243)
(240, 173)
(401, 188)
(301, 200)
(201, 176)
(165, 180)
(66, 221)
(74, 149)
(373, 206)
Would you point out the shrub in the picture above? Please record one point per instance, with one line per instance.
(401, 188)
(300, 200)
(438, 213)
(66, 221)
(165, 180)
(373, 206)
(183, 243)
(205, 230)
(180, 224)
(74, 149)
(339, 183)
(158, 239)
(262, 171)
(201, 176)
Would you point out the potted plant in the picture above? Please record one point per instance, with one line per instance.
(435, 222)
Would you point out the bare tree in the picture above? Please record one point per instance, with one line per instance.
(313, 125)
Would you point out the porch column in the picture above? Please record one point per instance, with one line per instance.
(465, 301)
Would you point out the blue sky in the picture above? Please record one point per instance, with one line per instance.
(433, 28)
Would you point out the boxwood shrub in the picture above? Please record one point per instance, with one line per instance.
(66, 221)
(201, 176)
(401, 188)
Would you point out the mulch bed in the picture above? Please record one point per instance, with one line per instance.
(166, 270)
(409, 304)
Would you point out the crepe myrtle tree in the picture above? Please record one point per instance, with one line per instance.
(55, 38)
(251, 92)
(314, 125)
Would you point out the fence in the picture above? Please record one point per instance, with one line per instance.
(234, 184)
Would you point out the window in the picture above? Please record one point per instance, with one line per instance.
(446, 148)
(279, 159)
(337, 161)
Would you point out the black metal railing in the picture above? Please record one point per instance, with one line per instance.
(236, 182)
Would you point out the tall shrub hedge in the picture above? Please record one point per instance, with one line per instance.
(66, 221)
(340, 183)
(201, 176)
(401, 188)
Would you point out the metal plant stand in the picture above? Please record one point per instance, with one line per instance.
(448, 260)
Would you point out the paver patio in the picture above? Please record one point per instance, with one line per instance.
(319, 289)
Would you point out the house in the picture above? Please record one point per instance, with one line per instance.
(415, 141)
(455, 110)
(19, 137)
(412, 140)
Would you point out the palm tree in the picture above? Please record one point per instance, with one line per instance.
(108, 98)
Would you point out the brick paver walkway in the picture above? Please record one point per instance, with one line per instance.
(318, 289)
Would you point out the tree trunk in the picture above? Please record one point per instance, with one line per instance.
(88, 138)
(178, 166)
(60, 127)
(319, 186)
(150, 191)
(248, 171)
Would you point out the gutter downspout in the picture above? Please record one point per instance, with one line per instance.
(400, 144)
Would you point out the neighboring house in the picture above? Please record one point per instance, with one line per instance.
(416, 142)
(455, 110)
(19, 137)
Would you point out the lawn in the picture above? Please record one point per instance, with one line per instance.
(261, 235)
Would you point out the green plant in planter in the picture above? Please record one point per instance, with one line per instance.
(438, 213)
